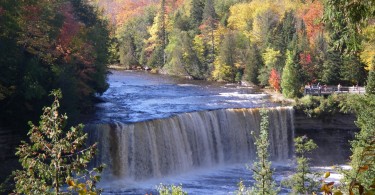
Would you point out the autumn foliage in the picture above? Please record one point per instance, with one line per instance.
(312, 18)
(274, 80)
(50, 44)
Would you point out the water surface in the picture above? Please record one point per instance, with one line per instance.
(137, 96)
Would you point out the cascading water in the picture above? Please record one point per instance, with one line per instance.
(160, 147)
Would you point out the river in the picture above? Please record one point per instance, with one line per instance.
(137, 96)
(156, 129)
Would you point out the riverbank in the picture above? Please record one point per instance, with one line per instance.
(278, 97)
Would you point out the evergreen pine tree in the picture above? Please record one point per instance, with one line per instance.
(264, 183)
(163, 31)
(196, 12)
(209, 10)
(289, 82)
(353, 70)
(209, 22)
(331, 67)
(304, 181)
(253, 62)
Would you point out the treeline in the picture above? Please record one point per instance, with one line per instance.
(50, 44)
(284, 44)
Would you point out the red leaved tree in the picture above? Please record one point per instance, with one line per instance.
(274, 80)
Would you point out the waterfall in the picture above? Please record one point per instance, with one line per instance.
(160, 147)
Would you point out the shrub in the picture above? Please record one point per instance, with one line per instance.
(316, 106)
(54, 157)
(170, 190)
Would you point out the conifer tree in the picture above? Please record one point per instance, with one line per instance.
(331, 67)
(163, 32)
(209, 23)
(196, 12)
(304, 181)
(253, 63)
(264, 183)
(289, 81)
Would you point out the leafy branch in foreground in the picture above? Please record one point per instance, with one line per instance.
(55, 157)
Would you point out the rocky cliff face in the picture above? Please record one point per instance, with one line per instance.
(332, 135)
(337, 121)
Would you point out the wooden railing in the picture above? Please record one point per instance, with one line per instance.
(327, 90)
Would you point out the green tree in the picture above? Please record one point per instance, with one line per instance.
(262, 172)
(158, 40)
(318, 52)
(353, 70)
(331, 67)
(222, 9)
(128, 55)
(208, 26)
(182, 58)
(55, 157)
(163, 29)
(132, 36)
(282, 35)
(348, 17)
(270, 58)
(370, 87)
(252, 64)
(225, 69)
(304, 181)
(196, 12)
(360, 178)
(290, 84)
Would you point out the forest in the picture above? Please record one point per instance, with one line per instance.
(46, 45)
(284, 44)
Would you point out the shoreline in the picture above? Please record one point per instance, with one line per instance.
(278, 97)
